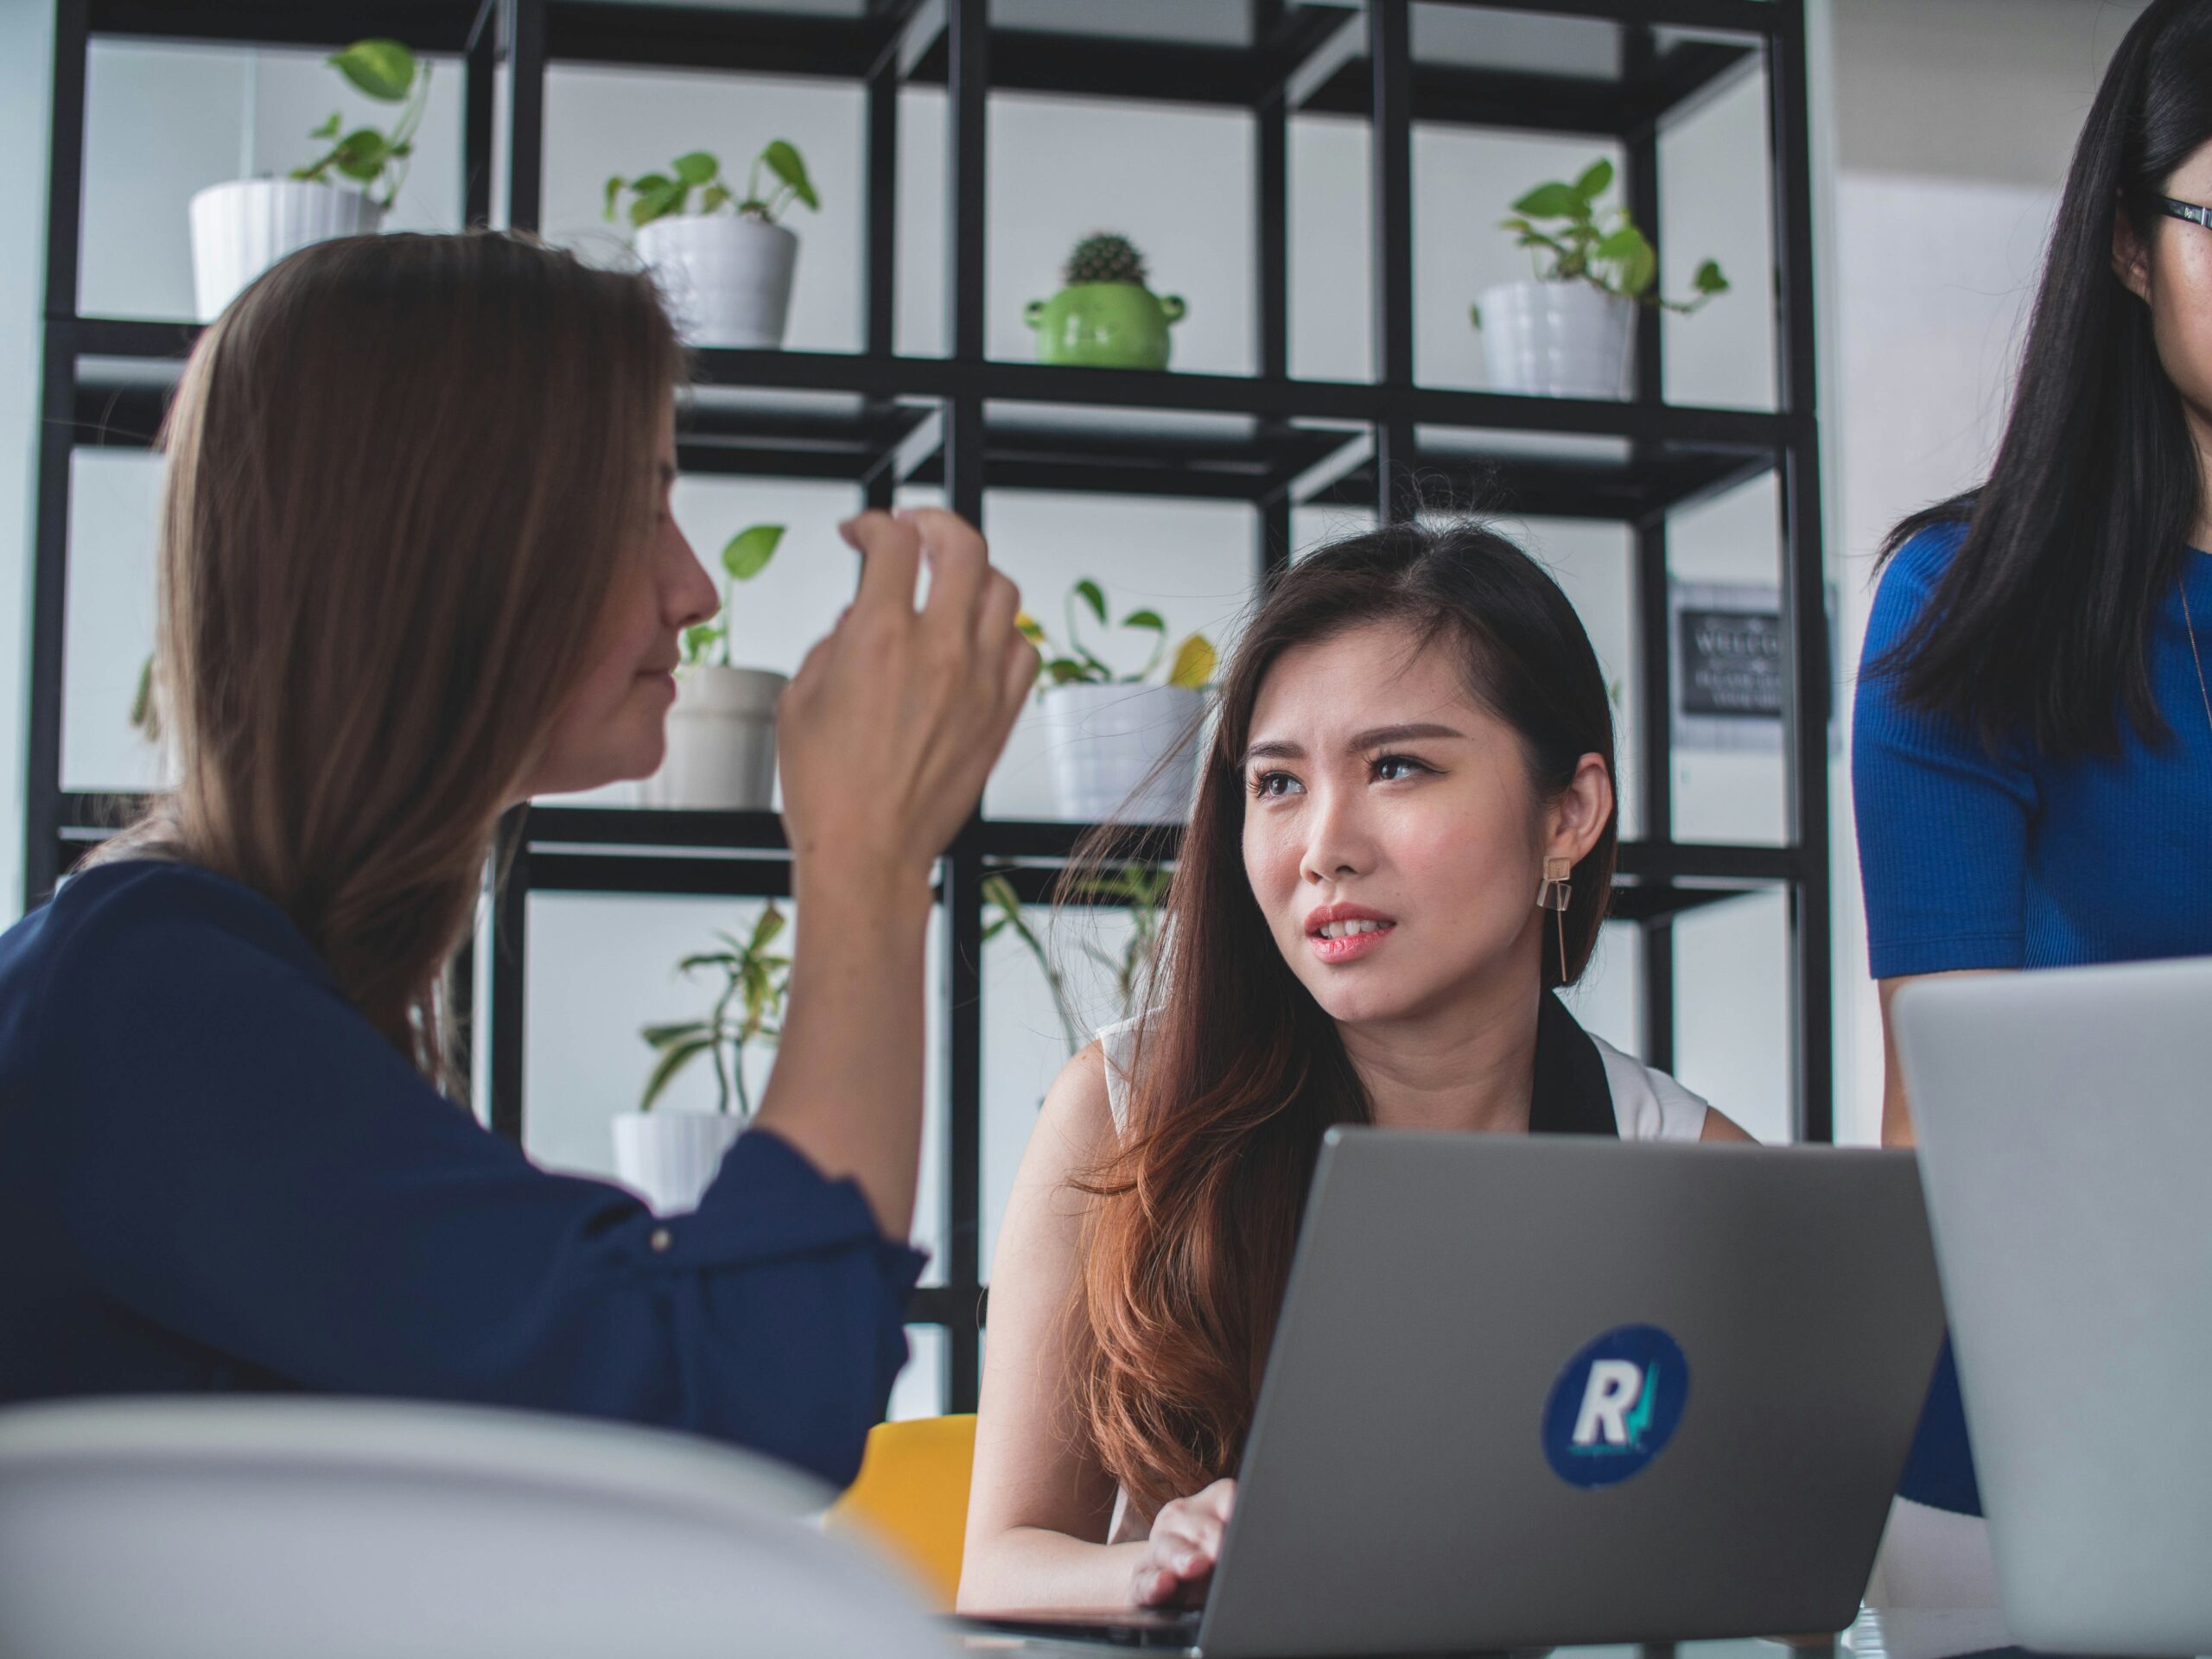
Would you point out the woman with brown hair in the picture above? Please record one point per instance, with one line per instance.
(1403, 842)
(417, 566)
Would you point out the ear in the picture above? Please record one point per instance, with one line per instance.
(1580, 814)
(2130, 260)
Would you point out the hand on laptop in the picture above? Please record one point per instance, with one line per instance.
(1185, 1544)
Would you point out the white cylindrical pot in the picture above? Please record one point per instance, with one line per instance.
(726, 278)
(722, 741)
(1559, 339)
(240, 229)
(668, 1158)
(1108, 739)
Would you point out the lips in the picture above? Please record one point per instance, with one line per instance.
(1342, 933)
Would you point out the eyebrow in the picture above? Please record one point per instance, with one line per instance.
(1374, 738)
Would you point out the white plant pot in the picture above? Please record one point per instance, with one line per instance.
(668, 1158)
(1106, 740)
(1559, 339)
(726, 278)
(240, 229)
(722, 741)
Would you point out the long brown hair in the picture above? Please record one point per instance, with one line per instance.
(402, 473)
(1238, 1071)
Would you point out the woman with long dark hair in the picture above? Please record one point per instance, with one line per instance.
(1403, 845)
(2032, 755)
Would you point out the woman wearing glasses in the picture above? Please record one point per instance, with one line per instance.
(2032, 755)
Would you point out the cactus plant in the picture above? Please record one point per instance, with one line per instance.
(1104, 257)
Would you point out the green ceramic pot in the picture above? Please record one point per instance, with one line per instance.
(1105, 325)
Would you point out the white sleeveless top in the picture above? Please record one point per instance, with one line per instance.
(1648, 1104)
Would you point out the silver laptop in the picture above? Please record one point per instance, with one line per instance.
(2065, 1120)
(1535, 1391)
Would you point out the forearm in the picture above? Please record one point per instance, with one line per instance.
(1025, 1569)
(847, 1088)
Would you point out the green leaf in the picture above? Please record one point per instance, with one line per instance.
(658, 202)
(328, 129)
(1640, 272)
(765, 930)
(362, 153)
(747, 553)
(1625, 244)
(383, 69)
(662, 1036)
(700, 638)
(1195, 660)
(1475, 315)
(1708, 279)
(650, 182)
(994, 929)
(1065, 671)
(613, 193)
(1594, 179)
(1089, 592)
(716, 195)
(1029, 628)
(672, 1060)
(1151, 620)
(784, 162)
(696, 167)
(1551, 201)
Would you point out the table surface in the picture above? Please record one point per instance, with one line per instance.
(1894, 1633)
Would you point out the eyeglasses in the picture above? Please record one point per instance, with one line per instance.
(2187, 210)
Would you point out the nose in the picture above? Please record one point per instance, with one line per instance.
(1339, 842)
(688, 594)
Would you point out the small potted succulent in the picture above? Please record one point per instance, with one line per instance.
(1105, 317)
(241, 228)
(724, 261)
(1112, 734)
(1570, 333)
(669, 1157)
(721, 732)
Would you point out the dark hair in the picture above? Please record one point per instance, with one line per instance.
(1239, 1070)
(2040, 626)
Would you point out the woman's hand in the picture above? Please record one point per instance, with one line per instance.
(1185, 1544)
(892, 725)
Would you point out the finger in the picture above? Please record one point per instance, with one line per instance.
(1001, 603)
(959, 560)
(891, 558)
(1153, 1584)
(1220, 1498)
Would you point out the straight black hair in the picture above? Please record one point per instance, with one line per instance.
(2040, 626)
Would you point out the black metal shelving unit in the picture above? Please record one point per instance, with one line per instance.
(966, 424)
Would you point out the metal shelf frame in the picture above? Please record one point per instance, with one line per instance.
(967, 424)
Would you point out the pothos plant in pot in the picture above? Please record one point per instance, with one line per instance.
(1570, 331)
(1138, 889)
(670, 1156)
(723, 258)
(1104, 316)
(241, 228)
(722, 731)
(1124, 745)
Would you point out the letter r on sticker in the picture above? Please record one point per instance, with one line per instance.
(1606, 1401)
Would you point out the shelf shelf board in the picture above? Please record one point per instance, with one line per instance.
(434, 26)
(844, 416)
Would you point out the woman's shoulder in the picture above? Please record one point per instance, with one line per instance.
(1911, 574)
(1648, 1104)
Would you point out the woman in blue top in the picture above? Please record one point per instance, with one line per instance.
(2032, 755)
(416, 565)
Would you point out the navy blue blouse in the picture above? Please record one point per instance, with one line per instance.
(216, 1175)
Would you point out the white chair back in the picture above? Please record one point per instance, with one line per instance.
(259, 1529)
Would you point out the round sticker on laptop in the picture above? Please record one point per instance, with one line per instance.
(1616, 1406)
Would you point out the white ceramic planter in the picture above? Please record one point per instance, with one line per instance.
(722, 741)
(240, 229)
(668, 1158)
(726, 278)
(1559, 339)
(1106, 741)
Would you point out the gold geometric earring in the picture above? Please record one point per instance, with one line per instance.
(1553, 895)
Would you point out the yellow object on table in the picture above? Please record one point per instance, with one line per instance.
(911, 1495)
